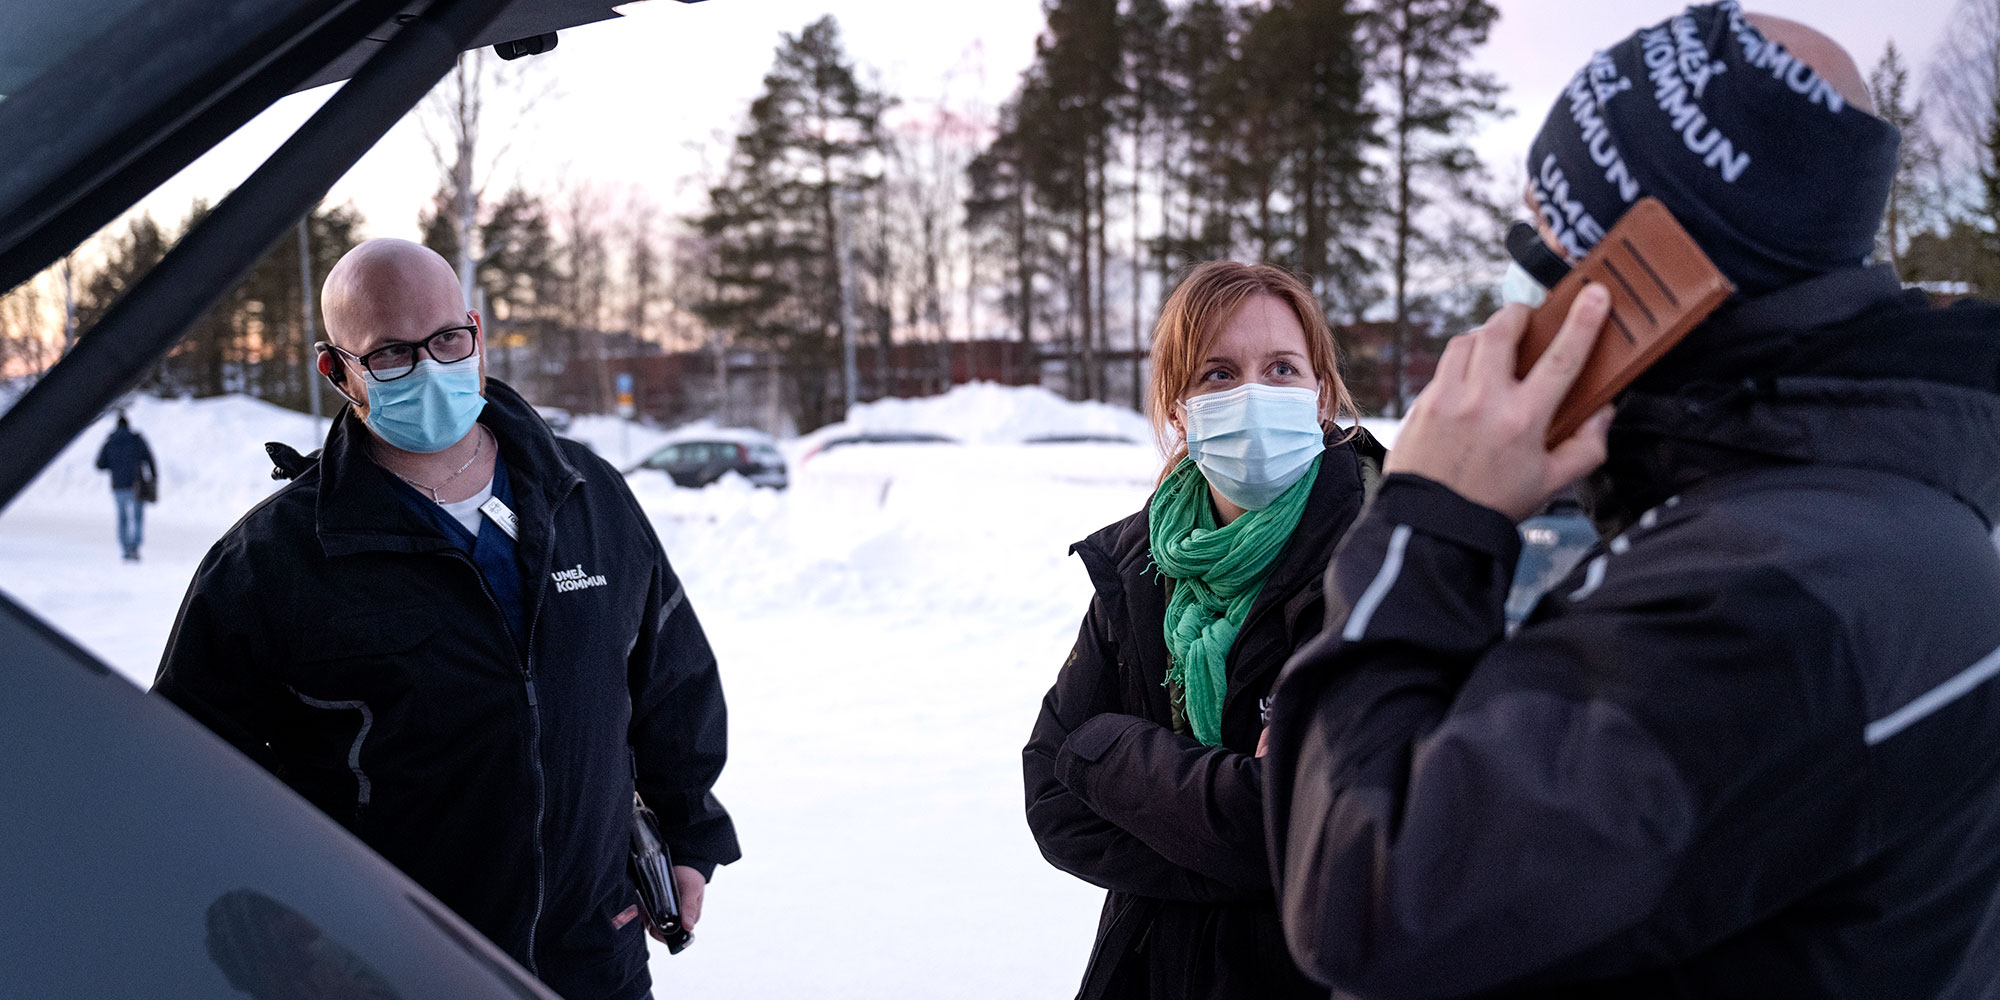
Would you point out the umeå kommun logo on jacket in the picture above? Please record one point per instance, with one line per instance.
(575, 578)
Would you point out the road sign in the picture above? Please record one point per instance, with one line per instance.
(626, 405)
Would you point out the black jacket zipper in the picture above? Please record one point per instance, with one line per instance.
(527, 658)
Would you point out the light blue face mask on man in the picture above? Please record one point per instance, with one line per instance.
(430, 409)
(1254, 441)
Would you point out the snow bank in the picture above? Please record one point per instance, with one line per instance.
(989, 413)
(886, 629)
(621, 442)
(211, 457)
(1384, 429)
(210, 453)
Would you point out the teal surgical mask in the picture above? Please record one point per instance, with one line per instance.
(428, 410)
(1254, 441)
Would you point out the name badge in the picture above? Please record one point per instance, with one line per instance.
(501, 517)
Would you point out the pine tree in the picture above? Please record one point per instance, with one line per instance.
(1149, 104)
(1071, 97)
(1200, 55)
(813, 136)
(1001, 216)
(1422, 50)
(127, 258)
(518, 276)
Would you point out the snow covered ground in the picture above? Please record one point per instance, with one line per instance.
(886, 629)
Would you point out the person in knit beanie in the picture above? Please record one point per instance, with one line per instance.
(1750, 745)
(1767, 152)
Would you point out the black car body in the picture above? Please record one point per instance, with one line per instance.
(143, 856)
(699, 461)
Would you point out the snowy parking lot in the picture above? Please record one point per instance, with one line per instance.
(886, 630)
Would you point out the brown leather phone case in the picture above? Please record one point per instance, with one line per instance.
(1661, 286)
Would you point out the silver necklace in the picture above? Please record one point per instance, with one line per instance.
(433, 490)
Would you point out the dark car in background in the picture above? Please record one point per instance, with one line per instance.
(699, 461)
(1552, 543)
(141, 855)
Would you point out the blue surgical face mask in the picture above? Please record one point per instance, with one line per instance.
(1254, 441)
(428, 410)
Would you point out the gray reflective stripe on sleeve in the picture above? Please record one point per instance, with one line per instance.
(667, 610)
(353, 752)
(1392, 565)
(1934, 699)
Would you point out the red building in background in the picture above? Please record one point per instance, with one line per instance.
(742, 387)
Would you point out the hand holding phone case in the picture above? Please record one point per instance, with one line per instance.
(1661, 287)
(652, 869)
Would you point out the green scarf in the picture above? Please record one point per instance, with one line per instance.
(1217, 574)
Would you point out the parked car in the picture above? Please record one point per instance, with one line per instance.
(143, 856)
(556, 417)
(700, 461)
(1552, 543)
(876, 437)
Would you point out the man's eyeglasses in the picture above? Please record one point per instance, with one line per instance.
(393, 361)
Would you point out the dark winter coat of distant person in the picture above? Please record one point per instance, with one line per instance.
(1750, 747)
(1142, 773)
(459, 637)
(130, 462)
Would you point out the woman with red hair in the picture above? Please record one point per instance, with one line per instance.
(1143, 774)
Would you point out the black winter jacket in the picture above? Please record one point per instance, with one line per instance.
(126, 457)
(1749, 748)
(1175, 829)
(338, 638)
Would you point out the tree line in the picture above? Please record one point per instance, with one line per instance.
(1324, 135)
(1328, 136)
(1942, 227)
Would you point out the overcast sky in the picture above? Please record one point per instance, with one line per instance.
(634, 99)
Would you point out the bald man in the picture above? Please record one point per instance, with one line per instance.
(1750, 747)
(458, 636)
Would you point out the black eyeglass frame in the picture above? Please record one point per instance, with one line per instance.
(424, 345)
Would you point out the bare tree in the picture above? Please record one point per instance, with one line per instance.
(587, 278)
(644, 263)
(1964, 84)
(479, 86)
(30, 325)
(931, 146)
(1908, 208)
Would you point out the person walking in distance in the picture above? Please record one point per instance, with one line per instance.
(133, 480)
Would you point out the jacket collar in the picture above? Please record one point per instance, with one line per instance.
(358, 509)
(1750, 337)
(1842, 370)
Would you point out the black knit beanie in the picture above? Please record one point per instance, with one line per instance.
(1776, 175)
